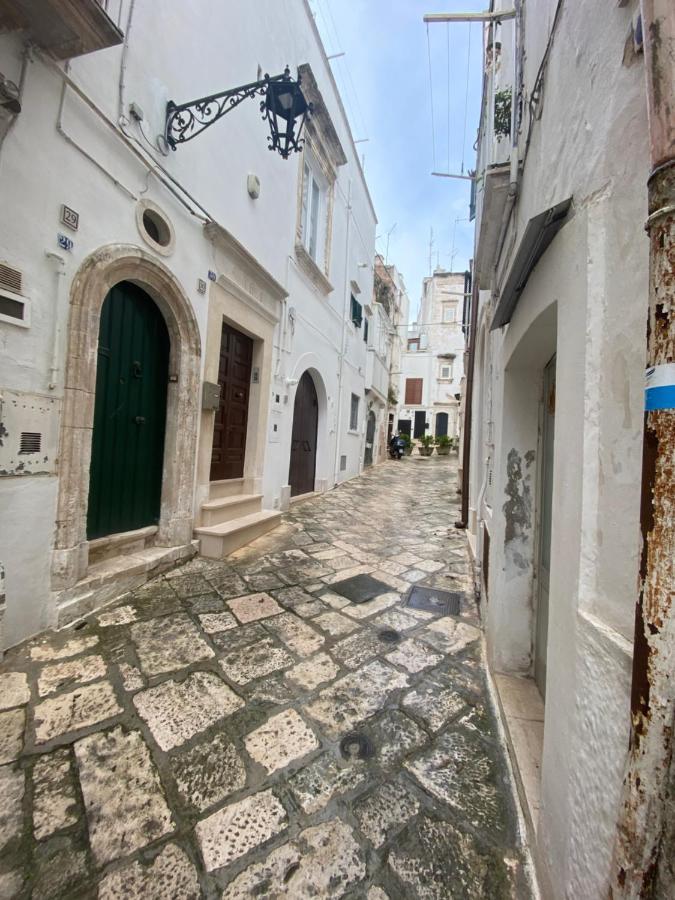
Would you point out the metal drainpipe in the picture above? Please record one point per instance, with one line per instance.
(345, 313)
(642, 813)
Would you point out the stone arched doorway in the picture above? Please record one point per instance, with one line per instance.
(302, 468)
(125, 476)
(100, 272)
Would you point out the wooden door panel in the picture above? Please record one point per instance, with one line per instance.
(125, 478)
(302, 469)
(231, 419)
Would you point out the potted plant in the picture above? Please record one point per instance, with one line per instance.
(443, 445)
(405, 437)
(426, 447)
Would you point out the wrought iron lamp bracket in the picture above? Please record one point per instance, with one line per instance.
(186, 120)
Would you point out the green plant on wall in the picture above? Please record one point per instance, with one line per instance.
(502, 120)
(392, 397)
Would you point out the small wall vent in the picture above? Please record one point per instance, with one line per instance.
(31, 442)
(343, 463)
(10, 278)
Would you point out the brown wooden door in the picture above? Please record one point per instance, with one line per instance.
(229, 430)
(303, 442)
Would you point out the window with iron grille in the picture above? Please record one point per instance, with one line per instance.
(356, 312)
(354, 414)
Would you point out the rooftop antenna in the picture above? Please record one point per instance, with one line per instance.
(431, 249)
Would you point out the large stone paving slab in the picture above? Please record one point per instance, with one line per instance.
(177, 711)
(385, 811)
(209, 772)
(168, 644)
(355, 697)
(170, 876)
(14, 690)
(314, 671)
(281, 740)
(254, 661)
(71, 672)
(253, 607)
(457, 769)
(440, 862)
(238, 828)
(12, 785)
(125, 805)
(325, 778)
(324, 862)
(299, 637)
(76, 709)
(54, 801)
(12, 725)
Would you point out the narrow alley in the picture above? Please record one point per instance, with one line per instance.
(241, 728)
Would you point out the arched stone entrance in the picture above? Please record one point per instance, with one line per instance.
(101, 271)
(125, 476)
(302, 468)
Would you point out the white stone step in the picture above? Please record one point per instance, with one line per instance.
(218, 541)
(226, 509)
(229, 487)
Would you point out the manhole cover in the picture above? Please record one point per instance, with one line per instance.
(356, 745)
(360, 588)
(442, 603)
(389, 636)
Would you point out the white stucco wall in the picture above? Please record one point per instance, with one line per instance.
(586, 301)
(192, 50)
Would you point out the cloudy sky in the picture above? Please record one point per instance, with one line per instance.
(385, 86)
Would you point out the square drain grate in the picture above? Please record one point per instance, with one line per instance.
(360, 588)
(441, 603)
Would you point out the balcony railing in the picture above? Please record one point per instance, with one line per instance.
(66, 28)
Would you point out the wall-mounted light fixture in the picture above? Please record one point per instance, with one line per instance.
(284, 107)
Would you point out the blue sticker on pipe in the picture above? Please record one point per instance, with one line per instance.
(660, 387)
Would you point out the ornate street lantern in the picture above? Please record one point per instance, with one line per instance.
(284, 108)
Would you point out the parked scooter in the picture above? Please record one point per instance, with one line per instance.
(396, 447)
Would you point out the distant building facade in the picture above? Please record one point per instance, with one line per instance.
(432, 363)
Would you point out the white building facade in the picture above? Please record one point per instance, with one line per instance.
(432, 362)
(558, 334)
(197, 299)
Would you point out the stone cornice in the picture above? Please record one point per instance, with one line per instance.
(243, 270)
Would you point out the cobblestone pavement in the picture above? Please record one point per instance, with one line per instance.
(186, 741)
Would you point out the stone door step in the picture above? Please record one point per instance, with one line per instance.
(218, 541)
(224, 509)
(229, 487)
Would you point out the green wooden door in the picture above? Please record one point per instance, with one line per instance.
(125, 480)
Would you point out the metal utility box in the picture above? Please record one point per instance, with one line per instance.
(29, 433)
(210, 395)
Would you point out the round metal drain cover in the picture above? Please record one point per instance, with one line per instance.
(389, 636)
(356, 745)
